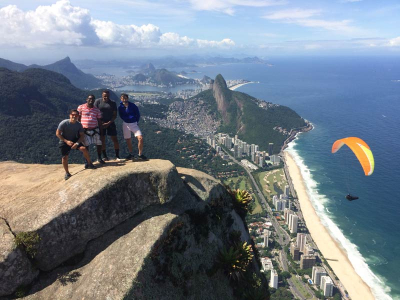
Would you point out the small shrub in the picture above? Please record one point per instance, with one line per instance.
(29, 241)
(241, 201)
(235, 260)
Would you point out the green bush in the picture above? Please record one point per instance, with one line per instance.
(29, 241)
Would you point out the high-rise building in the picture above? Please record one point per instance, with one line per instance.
(286, 191)
(326, 286)
(275, 159)
(294, 250)
(270, 149)
(261, 162)
(274, 199)
(236, 151)
(274, 279)
(317, 273)
(266, 238)
(293, 223)
(256, 148)
(285, 214)
(252, 149)
(287, 220)
(307, 261)
(266, 264)
(301, 241)
(279, 205)
(309, 250)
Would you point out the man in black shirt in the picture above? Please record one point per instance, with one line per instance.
(108, 110)
(70, 133)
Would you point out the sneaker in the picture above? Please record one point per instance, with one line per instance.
(91, 166)
(86, 165)
(67, 176)
(100, 161)
(106, 158)
(130, 156)
(142, 157)
(118, 159)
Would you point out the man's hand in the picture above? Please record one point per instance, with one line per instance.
(69, 143)
(75, 146)
(106, 124)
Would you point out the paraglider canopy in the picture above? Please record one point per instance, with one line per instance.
(360, 149)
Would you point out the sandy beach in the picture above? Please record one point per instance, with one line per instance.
(236, 86)
(338, 260)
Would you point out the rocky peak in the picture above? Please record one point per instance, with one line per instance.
(222, 96)
(136, 230)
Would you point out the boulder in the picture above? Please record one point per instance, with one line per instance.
(68, 214)
(15, 268)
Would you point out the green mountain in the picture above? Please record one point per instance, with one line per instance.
(35, 101)
(165, 77)
(64, 67)
(8, 64)
(76, 76)
(254, 121)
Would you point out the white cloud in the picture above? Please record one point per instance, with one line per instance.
(64, 24)
(304, 17)
(290, 14)
(227, 6)
(59, 23)
(225, 43)
(394, 42)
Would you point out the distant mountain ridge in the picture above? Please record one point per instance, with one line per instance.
(150, 74)
(168, 62)
(64, 67)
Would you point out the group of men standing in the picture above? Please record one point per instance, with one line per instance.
(91, 122)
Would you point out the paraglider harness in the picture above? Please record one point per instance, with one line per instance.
(351, 198)
(91, 132)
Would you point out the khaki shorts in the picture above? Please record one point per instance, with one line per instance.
(127, 128)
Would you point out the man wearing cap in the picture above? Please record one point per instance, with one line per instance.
(108, 110)
(130, 116)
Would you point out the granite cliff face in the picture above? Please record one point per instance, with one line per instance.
(125, 231)
(223, 97)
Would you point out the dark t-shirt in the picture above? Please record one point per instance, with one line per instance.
(70, 131)
(107, 109)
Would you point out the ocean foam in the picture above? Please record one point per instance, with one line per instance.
(378, 288)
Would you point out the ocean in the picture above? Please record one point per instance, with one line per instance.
(342, 97)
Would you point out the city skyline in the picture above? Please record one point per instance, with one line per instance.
(126, 29)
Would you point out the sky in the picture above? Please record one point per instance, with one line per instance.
(43, 30)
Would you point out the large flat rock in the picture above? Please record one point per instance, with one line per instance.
(68, 214)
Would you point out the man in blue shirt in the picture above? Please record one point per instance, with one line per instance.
(130, 116)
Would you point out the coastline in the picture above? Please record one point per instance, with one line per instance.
(236, 86)
(330, 249)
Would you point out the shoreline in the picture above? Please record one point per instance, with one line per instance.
(236, 86)
(329, 247)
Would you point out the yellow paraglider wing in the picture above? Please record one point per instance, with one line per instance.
(360, 149)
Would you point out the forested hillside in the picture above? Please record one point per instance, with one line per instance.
(34, 102)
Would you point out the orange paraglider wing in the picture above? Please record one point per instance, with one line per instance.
(360, 149)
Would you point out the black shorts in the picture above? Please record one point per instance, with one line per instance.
(65, 149)
(110, 130)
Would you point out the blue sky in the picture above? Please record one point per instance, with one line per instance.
(127, 28)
